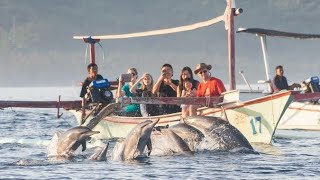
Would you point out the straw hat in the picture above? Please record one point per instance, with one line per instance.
(202, 66)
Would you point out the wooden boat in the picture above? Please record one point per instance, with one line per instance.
(257, 119)
(301, 114)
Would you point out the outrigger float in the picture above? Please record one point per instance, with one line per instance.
(303, 113)
(257, 119)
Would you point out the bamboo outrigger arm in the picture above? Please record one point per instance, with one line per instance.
(41, 104)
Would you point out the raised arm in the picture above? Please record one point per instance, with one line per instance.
(83, 108)
(119, 92)
(133, 89)
(294, 85)
(156, 87)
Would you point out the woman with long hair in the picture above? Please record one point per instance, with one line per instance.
(145, 90)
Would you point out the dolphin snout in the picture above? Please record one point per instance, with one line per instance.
(90, 133)
(155, 122)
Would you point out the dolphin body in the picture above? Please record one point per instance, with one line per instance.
(100, 155)
(134, 145)
(69, 141)
(189, 134)
(167, 142)
(218, 134)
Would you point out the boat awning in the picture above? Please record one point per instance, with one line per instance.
(275, 33)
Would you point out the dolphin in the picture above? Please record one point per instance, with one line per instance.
(167, 142)
(69, 141)
(106, 111)
(189, 134)
(218, 134)
(100, 155)
(136, 141)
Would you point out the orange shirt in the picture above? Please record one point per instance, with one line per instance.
(213, 87)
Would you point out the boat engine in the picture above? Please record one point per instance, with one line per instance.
(99, 92)
(311, 85)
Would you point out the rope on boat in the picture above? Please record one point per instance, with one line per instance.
(102, 51)
(86, 54)
(160, 31)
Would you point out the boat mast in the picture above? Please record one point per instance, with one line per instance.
(92, 48)
(231, 11)
(231, 51)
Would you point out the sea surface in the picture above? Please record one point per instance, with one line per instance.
(25, 134)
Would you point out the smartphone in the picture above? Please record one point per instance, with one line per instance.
(126, 77)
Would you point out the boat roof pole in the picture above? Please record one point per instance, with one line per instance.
(263, 40)
(92, 53)
(231, 48)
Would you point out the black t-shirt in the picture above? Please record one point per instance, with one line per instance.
(279, 83)
(86, 83)
(152, 109)
(167, 91)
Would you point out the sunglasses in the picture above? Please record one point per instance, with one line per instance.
(201, 72)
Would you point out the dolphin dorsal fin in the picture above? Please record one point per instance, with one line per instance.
(57, 134)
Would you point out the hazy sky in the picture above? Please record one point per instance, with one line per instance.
(37, 49)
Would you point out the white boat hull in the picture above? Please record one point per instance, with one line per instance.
(256, 119)
(300, 115)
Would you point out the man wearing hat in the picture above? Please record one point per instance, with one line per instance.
(210, 86)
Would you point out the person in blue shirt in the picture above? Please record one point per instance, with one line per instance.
(131, 110)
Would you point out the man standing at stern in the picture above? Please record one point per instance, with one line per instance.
(93, 75)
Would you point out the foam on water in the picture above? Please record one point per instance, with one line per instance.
(25, 141)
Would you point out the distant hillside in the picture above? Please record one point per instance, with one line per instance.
(37, 48)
